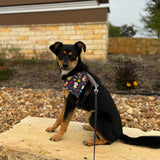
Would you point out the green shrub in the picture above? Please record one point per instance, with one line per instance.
(125, 75)
(5, 71)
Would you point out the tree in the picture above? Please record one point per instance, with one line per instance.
(152, 19)
(127, 31)
(114, 31)
(121, 31)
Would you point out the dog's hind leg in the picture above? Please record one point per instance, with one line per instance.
(101, 140)
(87, 127)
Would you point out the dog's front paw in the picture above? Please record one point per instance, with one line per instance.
(50, 129)
(88, 142)
(56, 137)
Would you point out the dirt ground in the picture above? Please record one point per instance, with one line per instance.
(38, 74)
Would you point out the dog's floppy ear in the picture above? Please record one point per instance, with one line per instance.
(55, 48)
(80, 45)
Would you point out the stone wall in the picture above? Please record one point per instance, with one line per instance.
(131, 46)
(36, 39)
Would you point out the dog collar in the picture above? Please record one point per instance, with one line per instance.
(76, 83)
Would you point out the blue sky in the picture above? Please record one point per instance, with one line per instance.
(127, 12)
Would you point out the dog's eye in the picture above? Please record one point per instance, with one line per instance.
(72, 58)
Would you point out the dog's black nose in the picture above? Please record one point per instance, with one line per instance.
(65, 64)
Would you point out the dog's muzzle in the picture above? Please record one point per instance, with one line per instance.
(65, 65)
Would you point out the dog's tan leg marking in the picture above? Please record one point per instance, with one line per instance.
(60, 116)
(87, 127)
(99, 141)
(64, 124)
(57, 122)
(63, 128)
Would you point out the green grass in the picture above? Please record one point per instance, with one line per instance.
(16, 83)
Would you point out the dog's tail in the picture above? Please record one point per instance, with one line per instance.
(147, 141)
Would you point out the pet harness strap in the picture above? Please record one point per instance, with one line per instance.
(88, 91)
(86, 94)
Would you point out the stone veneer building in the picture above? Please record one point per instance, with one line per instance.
(33, 25)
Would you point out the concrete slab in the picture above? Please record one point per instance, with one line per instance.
(29, 141)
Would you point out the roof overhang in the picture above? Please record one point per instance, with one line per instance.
(59, 11)
(52, 7)
(31, 2)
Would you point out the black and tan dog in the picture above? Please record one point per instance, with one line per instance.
(109, 127)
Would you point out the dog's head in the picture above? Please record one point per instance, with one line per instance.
(67, 55)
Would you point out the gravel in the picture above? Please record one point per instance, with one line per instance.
(136, 111)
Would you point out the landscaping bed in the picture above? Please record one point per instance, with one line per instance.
(43, 74)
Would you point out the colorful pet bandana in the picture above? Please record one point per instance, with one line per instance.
(76, 83)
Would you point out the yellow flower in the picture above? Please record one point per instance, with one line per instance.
(128, 84)
(135, 83)
(78, 80)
